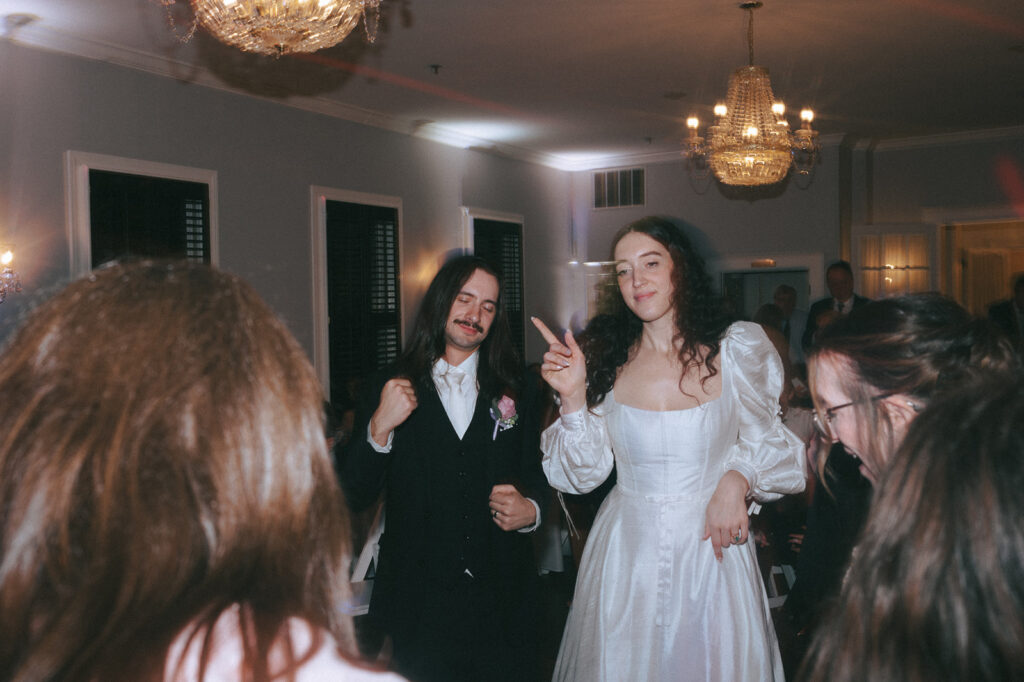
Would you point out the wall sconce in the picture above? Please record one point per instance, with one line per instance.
(10, 283)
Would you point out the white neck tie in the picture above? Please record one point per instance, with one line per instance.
(459, 410)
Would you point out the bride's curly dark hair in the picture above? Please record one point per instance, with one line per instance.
(610, 339)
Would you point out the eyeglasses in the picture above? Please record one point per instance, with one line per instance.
(824, 424)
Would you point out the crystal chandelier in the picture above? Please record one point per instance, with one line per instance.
(750, 143)
(10, 283)
(279, 27)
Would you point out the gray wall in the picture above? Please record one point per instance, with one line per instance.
(267, 156)
(971, 176)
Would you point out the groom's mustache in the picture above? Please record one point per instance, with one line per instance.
(474, 325)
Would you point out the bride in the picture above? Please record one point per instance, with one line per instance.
(686, 408)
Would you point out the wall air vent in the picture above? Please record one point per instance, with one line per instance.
(619, 188)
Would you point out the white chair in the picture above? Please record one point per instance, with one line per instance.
(787, 576)
(364, 569)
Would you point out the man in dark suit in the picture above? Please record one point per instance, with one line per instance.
(839, 278)
(1009, 315)
(450, 433)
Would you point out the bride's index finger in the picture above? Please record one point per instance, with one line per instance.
(544, 331)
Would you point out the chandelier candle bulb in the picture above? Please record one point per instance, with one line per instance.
(693, 124)
(10, 282)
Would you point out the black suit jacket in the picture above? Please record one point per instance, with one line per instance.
(1004, 316)
(437, 518)
(834, 520)
(820, 306)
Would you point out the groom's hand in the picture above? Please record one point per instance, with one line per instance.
(509, 509)
(397, 401)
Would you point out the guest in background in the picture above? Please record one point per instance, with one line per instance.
(771, 319)
(1009, 315)
(169, 508)
(450, 433)
(936, 588)
(840, 302)
(837, 506)
(793, 325)
(780, 525)
(871, 373)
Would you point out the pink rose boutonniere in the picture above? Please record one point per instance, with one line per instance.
(503, 412)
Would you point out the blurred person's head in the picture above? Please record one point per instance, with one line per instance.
(785, 298)
(162, 459)
(936, 588)
(770, 315)
(873, 371)
(839, 278)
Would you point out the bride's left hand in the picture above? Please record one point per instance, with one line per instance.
(726, 520)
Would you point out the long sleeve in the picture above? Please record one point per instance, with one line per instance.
(767, 453)
(577, 453)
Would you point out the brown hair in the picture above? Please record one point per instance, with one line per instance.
(918, 345)
(162, 458)
(936, 589)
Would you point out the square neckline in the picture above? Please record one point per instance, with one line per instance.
(721, 369)
(701, 406)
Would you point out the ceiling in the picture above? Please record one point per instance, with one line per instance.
(580, 84)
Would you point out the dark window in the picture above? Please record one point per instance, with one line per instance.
(139, 215)
(501, 243)
(364, 315)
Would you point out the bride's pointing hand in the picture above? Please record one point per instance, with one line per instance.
(564, 368)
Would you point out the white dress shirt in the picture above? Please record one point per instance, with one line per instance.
(458, 390)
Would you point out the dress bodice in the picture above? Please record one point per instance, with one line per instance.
(686, 452)
(670, 453)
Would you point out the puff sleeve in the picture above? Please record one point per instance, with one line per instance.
(768, 454)
(577, 452)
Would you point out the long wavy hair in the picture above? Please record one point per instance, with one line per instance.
(918, 345)
(611, 338)
(162, 461)
(936, 589)
(499, 368)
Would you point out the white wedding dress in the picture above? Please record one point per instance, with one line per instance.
(652, 603)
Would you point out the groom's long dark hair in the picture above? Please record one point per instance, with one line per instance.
(499, 369)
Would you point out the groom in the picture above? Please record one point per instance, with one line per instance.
(451, 436)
